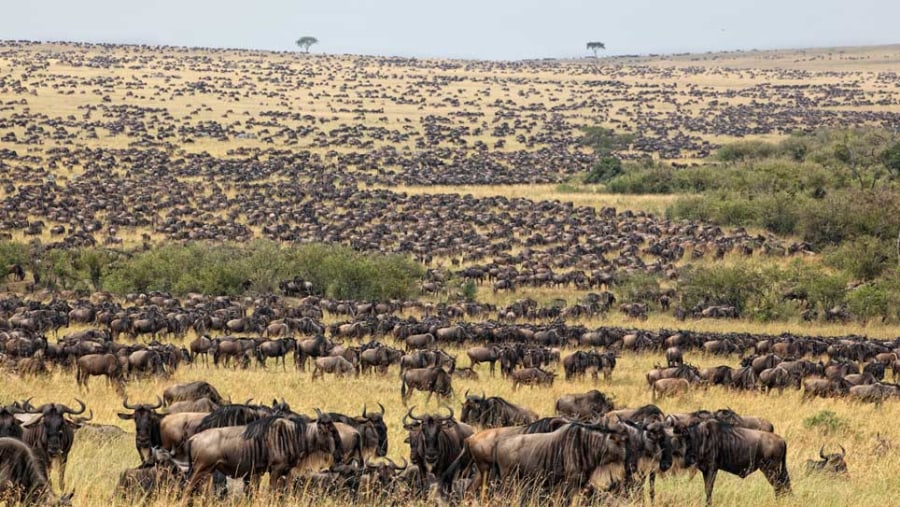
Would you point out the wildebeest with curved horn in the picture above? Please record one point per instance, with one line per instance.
(431, 380)
(713, 445)
(830, 463)
(434, 442)
(273, 444)
(372, 429)
(51, 434)
(23, 477)
(494, 412)
(146, 422)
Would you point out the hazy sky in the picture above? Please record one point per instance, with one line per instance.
(490, 29)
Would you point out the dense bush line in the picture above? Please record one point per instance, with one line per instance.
(225, 268)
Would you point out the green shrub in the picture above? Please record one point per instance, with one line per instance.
(13, 253)
(737, 286)
(746, 150)
(638, 287)
(826, 422)
(863, 258)
(604, 169)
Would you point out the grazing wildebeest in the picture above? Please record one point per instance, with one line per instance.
(493, 412)
(273, 444)
(100, 364)
(434, 442)
(584, 406)
(146, 422)
(51, 434)
(333, 364)
(669, 387)
(155, 475)
(23, 477)
(829, 463)
(567, 460)
(714, 445)
(192, 391)
(532, 377)
(433, 380)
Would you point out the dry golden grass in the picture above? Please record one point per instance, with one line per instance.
(94, 466)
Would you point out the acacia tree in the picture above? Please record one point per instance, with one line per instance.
(596, 46)
(306, 41)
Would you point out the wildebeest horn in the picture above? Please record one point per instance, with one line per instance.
(29, 409)
(404, 467)
(67, 410)
(467, 394)
(126, 405)
(822, 452)
(482, 394)
(409, 415)
(381, 407)
(364, 411)
(159, 403)
(318, 414)
(451, 413)
(82, 420)
(843, 451)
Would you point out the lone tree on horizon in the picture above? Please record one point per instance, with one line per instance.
(306, 41)
(595, 46)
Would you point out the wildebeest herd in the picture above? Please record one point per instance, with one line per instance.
(191, 434)
(174, 145)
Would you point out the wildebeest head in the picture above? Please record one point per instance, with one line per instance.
(472, 408)
(831, 463)
(146, 422)
(328, 437)
(376, 420)
(53, 424)
(658, 442)
(431, 427)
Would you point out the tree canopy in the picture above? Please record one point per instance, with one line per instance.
(595, 46)
(306, 41)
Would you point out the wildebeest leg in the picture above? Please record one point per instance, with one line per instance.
(61, 461)
(777, 475)
(652, 487)
(709, 480)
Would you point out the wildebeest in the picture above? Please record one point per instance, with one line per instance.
(51, 434)
(192, 391)
(566, 460)
(669, 387)
(431, 380)
(273, 444)
(275, 348)
(23, 477)
(419, 341)
(146, 422)
(379, 358)
(372, 429)
(202, 405)
(434, 442)
(156, 474)
(493, 412)
(488, 355)
(311, 347)
(100, 364)
(10, 426)
(532, 377)
(777, 378)
(829, 463)
(714, 445)
(333, 364)
(674, 357)
(584, 406)
(201, 345)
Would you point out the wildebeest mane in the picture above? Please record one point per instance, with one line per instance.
(230, 415)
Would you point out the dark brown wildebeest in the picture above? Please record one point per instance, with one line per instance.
(10, 426)
(100, 364)
(584, 406)
(532, 377)
(51, 434)
(829, 463)
(277, 349)
(311, 347)
(22, 476)
(494, 412)
(201, 345)
(155, 475)
(192, 391)
(433, 380)
(714, 445)
(419, 341)
(490, 355)
(434, 442)
(567, 460)
(273, 444)
(716, 376)
(146, 422)
(777, 378)
(379, 358)
(372, 429)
